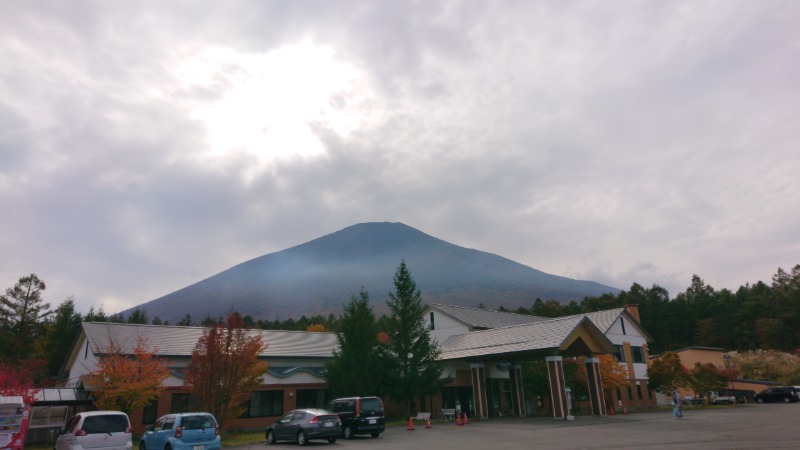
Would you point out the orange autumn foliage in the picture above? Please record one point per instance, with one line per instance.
(127, 382)
(225, 369)
(612, 373)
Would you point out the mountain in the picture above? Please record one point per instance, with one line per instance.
(318, 277)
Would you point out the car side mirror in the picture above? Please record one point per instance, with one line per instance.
(148, 428)
(57, 432)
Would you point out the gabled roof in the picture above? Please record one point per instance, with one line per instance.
(605, 320)
(176, 341)
(488, 319)
(550, 335)
(482, 318)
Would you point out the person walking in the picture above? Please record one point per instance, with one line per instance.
(677, 407)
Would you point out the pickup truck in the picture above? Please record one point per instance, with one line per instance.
(723, 399)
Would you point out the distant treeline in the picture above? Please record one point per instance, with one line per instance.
(758, 316)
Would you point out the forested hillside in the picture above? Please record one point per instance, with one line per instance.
(755, 316)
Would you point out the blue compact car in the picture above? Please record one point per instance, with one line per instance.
(184, 431)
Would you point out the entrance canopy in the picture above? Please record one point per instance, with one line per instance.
(565, 336)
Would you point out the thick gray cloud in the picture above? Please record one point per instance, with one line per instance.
(145, 146)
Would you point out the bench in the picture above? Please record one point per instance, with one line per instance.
(424, 416)
(448, 414)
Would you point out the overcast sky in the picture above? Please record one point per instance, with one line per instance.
(145, 146)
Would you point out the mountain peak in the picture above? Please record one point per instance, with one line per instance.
(319, 276)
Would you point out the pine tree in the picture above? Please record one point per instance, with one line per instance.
(60, 331)
(22, 311)
(357, 367)
(413, 355)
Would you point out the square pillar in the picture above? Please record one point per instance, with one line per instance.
(517, 392)
(558, 388)
(595, 381)
(478, 375)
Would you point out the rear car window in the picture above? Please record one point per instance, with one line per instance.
(371, 406)
(112, 423)
(197, 422)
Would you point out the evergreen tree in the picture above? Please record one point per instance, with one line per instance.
(138, 316)
(357, 367)
(22, 312)
(60, 332)
(413, 355)
(95, 316)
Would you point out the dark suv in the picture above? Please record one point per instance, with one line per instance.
(785, 394)
(359, 415)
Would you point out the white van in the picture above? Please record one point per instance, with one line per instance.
(96, 430)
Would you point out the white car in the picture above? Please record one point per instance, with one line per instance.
(96, 430)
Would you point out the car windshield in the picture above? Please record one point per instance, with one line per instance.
(371, 406)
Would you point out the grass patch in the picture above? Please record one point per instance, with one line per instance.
(233, 438)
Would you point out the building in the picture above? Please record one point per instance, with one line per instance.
(742, 389)
(481, 351)
(464, 335)
(294, 378)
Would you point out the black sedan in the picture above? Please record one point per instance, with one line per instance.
(303, 425)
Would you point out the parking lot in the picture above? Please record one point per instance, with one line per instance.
(737, 427)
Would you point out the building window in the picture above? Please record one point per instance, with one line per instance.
(638, 354)
(619, 394)
(265, 403)
(312, 398)
(150, 412)
(433, 327)
(630, 392)
(182, 403)
(639, 391)
(620, 355)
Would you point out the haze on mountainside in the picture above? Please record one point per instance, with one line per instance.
(318, 277)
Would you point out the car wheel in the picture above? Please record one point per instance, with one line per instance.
(786, 400)
(270, 437)
(375, 435)
(142, 446)
(761, 400)
(347, 432)
(302, 439)
(168, 447)
(331, 440)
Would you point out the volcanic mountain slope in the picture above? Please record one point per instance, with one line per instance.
(318, 277)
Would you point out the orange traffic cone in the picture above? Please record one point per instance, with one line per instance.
(458, 419)
(428, 422)
(465, 419)
(410, 424)
(611, 410)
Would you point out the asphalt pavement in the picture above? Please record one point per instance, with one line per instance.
(753, 426)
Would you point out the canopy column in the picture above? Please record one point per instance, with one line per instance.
(517, 392)
(558, 389)
(596, 397)
(478, 374)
